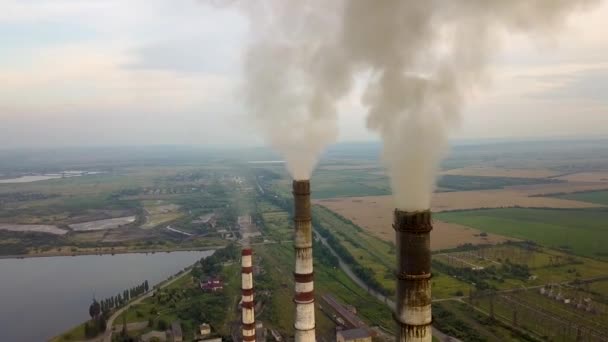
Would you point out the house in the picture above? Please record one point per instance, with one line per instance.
(213, 284)
(204, 329)
(354, 335)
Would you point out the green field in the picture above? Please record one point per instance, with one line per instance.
(598, 197)
(583, 232)
(348, 183)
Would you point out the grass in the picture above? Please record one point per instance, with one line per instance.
(75, 334)
(598, 197)
(327, 280)
(583, 232)
(549, 324)
(158, 219)
(348, 183)
(458, 319)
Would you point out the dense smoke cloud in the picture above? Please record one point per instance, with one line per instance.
(422, 60)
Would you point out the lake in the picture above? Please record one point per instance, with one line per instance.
(43, 297)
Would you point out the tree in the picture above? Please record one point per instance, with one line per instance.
(94, 309)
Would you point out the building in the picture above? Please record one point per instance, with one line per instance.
(213, 284)
(354, 335)
(204, 329)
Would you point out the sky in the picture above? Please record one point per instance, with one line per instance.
(152, 72)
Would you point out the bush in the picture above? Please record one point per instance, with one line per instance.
(162, 324)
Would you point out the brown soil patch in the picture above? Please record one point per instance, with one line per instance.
(499, 172)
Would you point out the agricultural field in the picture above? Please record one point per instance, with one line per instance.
(582, 232)
(501, 172)
(597, 176)
(375, 216)
(348, 183)
(597, 197)
(334, 182)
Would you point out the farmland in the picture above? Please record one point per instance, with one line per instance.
(582, 232)
(501, 172)
(597, 197)
(374, 213)
(332, 182)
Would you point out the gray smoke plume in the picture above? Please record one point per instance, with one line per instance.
(424, 59)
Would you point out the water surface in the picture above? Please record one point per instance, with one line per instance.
(42, 297)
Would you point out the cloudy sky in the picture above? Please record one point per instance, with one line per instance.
(117, 72)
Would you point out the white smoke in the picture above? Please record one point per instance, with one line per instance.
(293, 78)
(425, 58)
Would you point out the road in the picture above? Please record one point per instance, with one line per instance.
(107, 336)
(436, 333)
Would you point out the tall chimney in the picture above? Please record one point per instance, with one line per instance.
(248, 313)
(304, 285)
(413, 311)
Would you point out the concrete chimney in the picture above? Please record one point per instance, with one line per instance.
(304, 285)
(248, 314)
(413, 311)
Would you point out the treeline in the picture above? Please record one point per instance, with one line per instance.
(123, 298)
(213, 264)
(366, 274)
(481, 277)
(323, 255)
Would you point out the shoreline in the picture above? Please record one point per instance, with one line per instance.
(134, 251)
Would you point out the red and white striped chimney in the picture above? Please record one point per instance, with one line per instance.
(248, 314)
(304, 285)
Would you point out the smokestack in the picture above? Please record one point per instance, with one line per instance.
(304, 288)
(248, 313)
(413, 311)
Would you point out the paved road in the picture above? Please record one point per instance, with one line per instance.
(436, 333)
